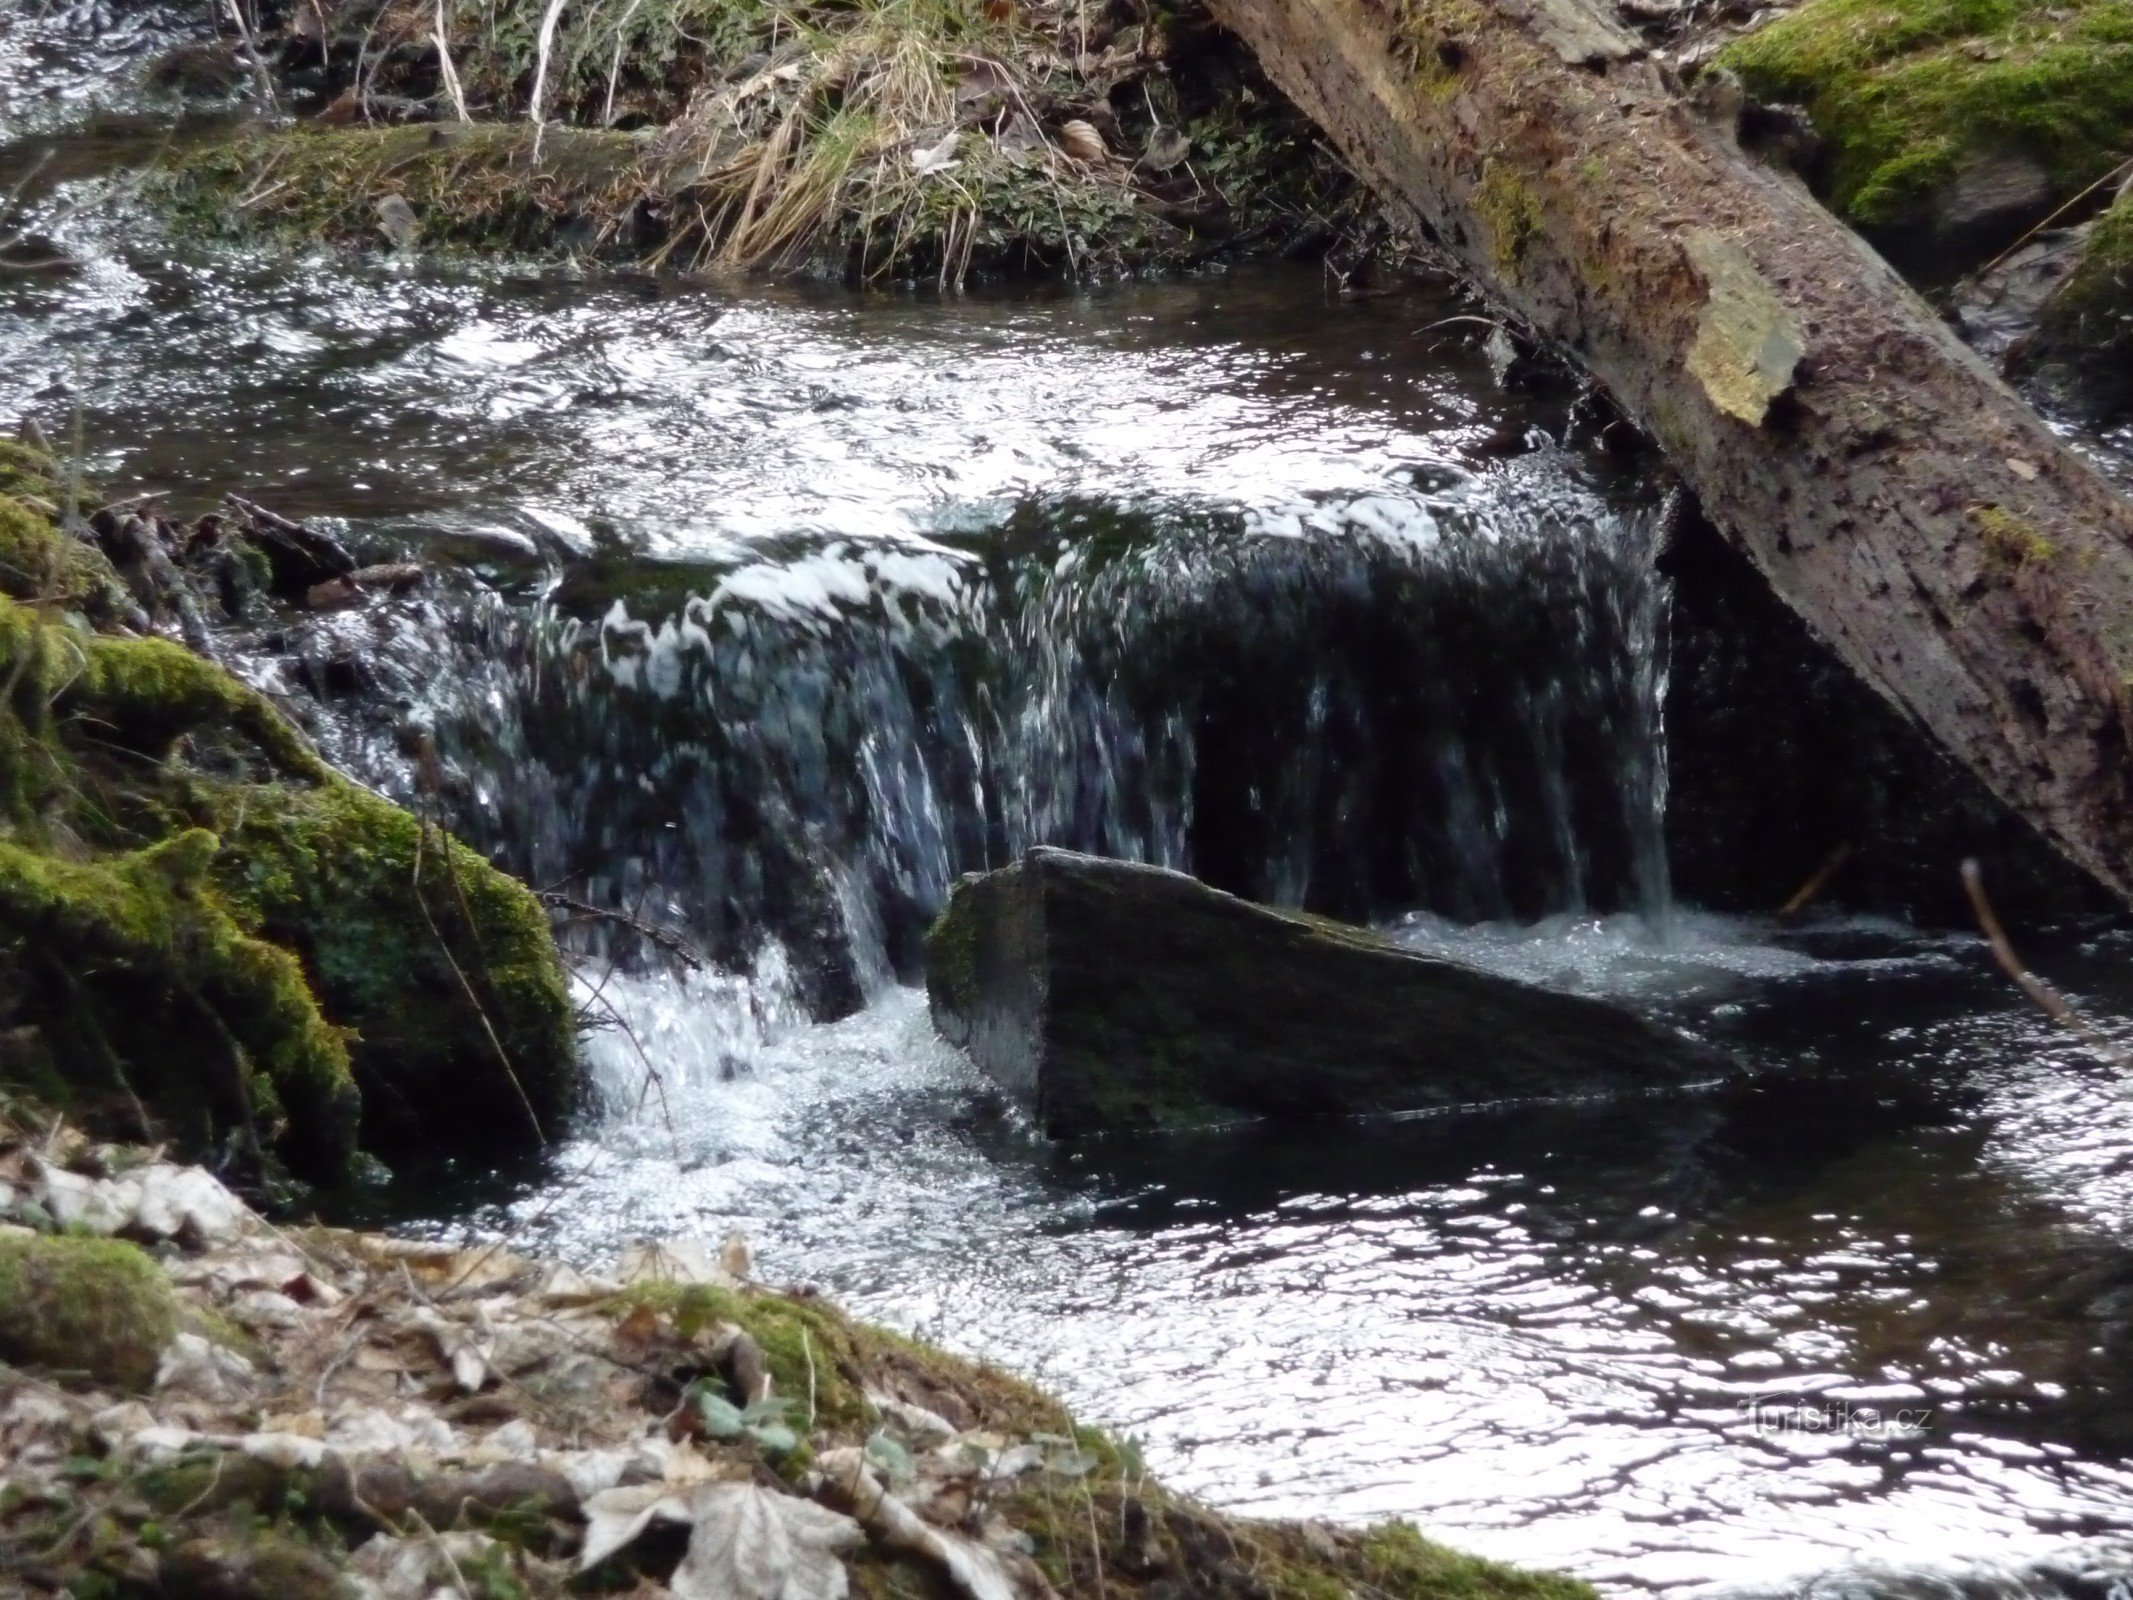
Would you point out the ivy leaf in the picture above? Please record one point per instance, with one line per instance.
(722, 1418)
(889, 1458)
(774, 1437)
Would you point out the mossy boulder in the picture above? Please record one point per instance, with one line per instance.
(100, 1308)
(418, 946)
(39, 559)
(210, 936)
(2090, 320)
(1918, 98)
(1114, 997)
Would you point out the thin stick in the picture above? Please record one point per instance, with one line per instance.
(542, 48)
(503, 1056)
(1811, 891)
(684, 952)
(2047, 998)
(441, 31)
(2123, 170)
(260, 75)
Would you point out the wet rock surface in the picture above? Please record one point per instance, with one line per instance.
(1111, 997)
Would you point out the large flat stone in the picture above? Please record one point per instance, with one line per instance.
(1112, 997)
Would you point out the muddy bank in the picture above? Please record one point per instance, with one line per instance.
(892, 140)
(309, 1412)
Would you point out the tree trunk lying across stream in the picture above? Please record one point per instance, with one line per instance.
(1893, 491)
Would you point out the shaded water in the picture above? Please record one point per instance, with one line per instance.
(771, 614)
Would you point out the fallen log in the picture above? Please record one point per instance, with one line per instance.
(1893, 491)
(1112, 997)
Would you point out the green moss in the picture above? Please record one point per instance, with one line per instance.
(395, 924)
(202, 924)
(480, 187)
(2010, 539)
(243, 1029)
(1509, 214)
(2093, 314)
(97, 1307)
(1904, 90)
(812, 1347)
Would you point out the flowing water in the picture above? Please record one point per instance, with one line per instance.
(769, 614)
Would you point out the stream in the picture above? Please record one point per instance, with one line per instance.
(768, 613)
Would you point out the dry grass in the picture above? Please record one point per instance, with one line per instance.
(904, 139)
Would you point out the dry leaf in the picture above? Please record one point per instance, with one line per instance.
(974, 1570)
(737, 1256)
(207, 1371)
(753, 1544)
(1081, 141)
(681, 1261)
(749, 1543)
(936, 157)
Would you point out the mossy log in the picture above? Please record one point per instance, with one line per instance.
(1892, 490)
(1113, 997)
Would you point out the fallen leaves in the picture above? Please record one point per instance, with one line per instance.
(746, 1543)
(1081, 141)
(414, 1375)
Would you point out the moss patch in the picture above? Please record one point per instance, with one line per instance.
(1508, 211)
(208, 935)
(475, 188)
(1904, 90)
(97, 1307)
(2010, 539)
(2093, 314)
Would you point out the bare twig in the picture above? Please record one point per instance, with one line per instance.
(503, 1056)
(2124, 170)
(441, 31)
(260, 75)
(684, 952)
(1811, 891)
(2048, 999)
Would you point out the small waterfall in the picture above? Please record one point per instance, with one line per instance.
(1442, 702)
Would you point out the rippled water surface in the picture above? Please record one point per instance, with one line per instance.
(882, 589)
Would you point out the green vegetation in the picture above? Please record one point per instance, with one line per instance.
(2094, 312)
(1905, 90)
(1508, 212)
(98, 1308)
(882, 139)
(206, 934)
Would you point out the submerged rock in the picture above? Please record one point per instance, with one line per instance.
(1111, 996)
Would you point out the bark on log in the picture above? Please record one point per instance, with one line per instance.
(1895, 493)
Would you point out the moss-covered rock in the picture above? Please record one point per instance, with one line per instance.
(421, 948)
(2092, 316)
(99, 1308)
(1913, 94)
(205, 929)
(39, 560)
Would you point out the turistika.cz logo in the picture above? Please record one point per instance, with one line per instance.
(1838, 1417)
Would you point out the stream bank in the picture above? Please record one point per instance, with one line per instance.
(212, 1408)
(1394, 640)
(893, 140)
